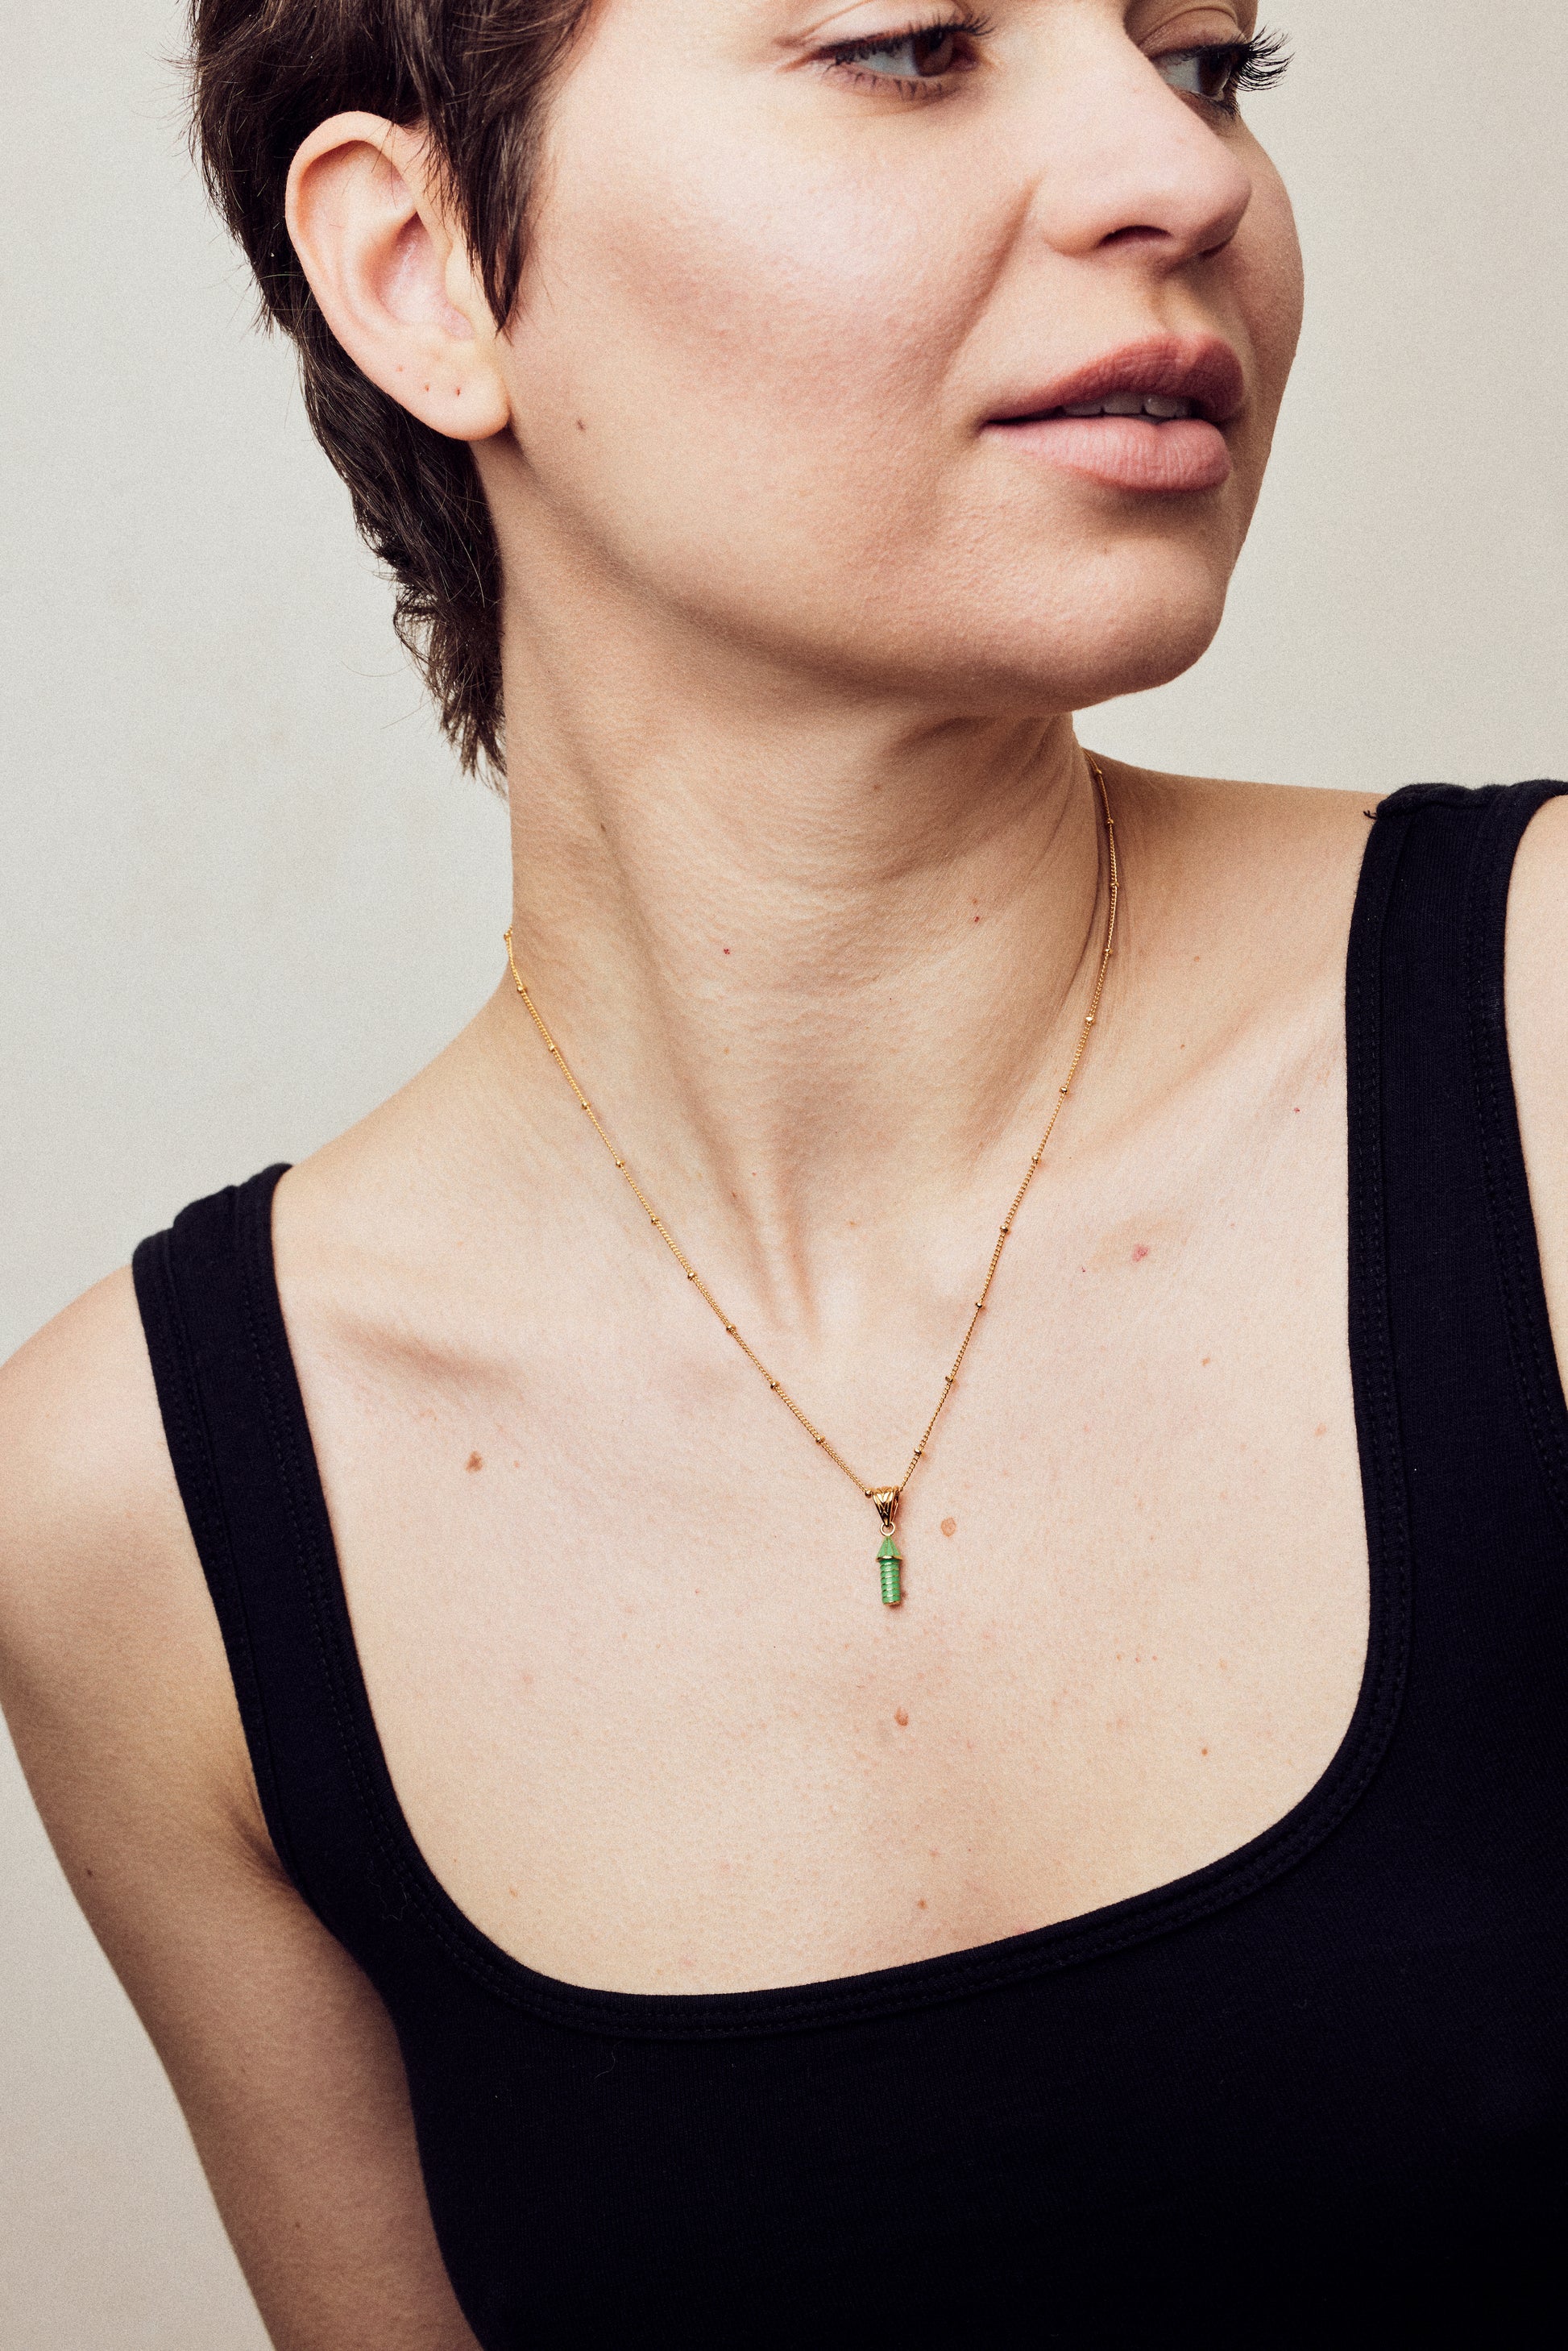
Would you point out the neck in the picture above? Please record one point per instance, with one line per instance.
(815, 963)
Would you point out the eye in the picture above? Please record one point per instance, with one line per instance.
(1203, 73)
(917, 61)
(1219, 74)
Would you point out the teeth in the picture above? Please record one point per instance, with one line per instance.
(1132, 403)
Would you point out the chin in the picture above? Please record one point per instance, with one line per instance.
(1139, 652)
(1124, 631)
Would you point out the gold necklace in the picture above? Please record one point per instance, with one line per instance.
(885, 1498)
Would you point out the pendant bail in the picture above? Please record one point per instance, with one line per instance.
(886, 1499)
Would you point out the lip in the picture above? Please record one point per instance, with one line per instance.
(1200, 367)
(1133, 453)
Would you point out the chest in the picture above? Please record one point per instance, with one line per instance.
(621, 1624)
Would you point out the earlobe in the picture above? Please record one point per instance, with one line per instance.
(391, 278)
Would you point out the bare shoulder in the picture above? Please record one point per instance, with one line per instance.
(112, 1671)
(1260, 880)
(117, 1690)
(1291, 829)
(102, 1602)
(1538, 1038)
(1273, 824)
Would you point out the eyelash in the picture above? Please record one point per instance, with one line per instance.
(1254, 65)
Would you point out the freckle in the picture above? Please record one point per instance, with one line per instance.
(977, 918)
(1140, 1252)
(922, 1903)
(581, 426)
(1322, 1429)
(726, 950)
(1298, 1110)
(1203, 1751)
(512, 1891)
(902, 1717)
(1206, 1361)
(475, 1461)
(949, 1526)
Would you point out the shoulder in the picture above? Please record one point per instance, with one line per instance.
(1297, 844)
(117, 1689)
(85, 1491)
(111, 1666)
(1257, 879)
(1537, 1005)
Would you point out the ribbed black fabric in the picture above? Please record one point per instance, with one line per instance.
(1317, 2090)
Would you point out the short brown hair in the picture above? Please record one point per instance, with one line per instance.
(474, 72)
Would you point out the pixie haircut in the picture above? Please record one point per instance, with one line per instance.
(474, 74)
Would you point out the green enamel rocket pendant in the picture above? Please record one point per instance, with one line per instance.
(890, 1559)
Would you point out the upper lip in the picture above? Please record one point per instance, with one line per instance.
(1203, 369)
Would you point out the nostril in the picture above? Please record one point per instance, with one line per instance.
(1137, 235)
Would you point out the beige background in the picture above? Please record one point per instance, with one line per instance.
(243, 894)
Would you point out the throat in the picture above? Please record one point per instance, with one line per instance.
(781, 1039)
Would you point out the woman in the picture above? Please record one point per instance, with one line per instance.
(590, 1865)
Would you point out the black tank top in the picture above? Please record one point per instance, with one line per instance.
(1316, 2091)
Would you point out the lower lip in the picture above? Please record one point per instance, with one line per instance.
(1128, 453)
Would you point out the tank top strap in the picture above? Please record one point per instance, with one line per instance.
(1454, 1330)
(240, 1449)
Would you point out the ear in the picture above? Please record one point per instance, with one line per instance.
(394, 280)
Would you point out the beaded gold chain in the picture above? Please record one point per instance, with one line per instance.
(885, 1498)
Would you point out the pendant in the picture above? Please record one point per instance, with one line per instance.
(890, 1559)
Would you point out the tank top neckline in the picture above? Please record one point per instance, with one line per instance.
(1067, 1942)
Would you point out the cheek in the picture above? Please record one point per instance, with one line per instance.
(776, 323)
(1269, 283)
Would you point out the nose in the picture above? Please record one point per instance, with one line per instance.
(1122, 160)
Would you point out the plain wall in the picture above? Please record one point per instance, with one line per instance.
(244, 893)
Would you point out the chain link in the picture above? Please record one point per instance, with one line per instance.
(695, 1278)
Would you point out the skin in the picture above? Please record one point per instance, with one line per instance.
(807, 878)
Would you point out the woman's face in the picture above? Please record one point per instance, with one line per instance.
(800, 281)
